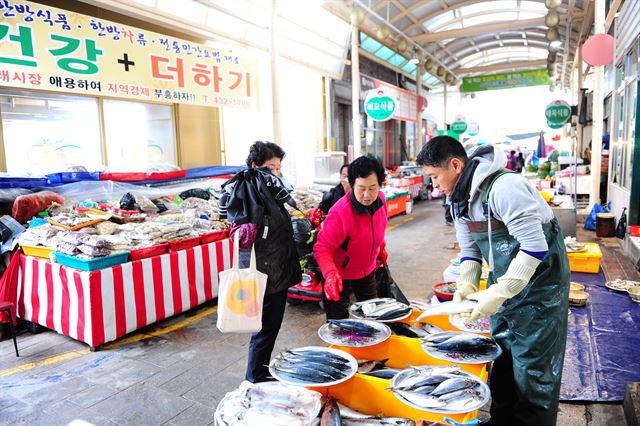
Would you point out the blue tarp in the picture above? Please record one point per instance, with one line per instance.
(56, 179)
(199, 172)
(603, 343)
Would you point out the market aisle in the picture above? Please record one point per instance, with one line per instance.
(178, 375)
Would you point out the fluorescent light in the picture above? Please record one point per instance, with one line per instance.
(414, 61)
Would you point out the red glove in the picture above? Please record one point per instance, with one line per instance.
(383, 255)
(315, 216)
(333, 286)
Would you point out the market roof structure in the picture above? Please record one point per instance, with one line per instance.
(467, 37)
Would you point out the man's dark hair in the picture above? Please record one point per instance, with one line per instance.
(439, 150)
(363, 166)
(513, 152)
(261, 152)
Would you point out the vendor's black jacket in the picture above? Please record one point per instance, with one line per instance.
(257, 196)
(331, 197)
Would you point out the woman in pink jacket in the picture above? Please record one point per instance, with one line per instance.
(351, 240)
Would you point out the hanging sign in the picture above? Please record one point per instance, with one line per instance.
(474, 129)
(505, 80)
(459, 125)
(45, 48)
(379, 105)
(557, 113)
(406, 102)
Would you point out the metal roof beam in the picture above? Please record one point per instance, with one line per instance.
(501, 67)
(479, 29)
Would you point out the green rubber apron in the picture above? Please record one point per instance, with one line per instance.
(531, 328)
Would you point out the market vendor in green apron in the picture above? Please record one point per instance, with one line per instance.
(500, 217)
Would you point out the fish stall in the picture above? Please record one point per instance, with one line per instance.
(389, 364)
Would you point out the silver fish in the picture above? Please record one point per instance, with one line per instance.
(348, 413)
(330, 414)
(448, 308)
(452, 385)
(425, 401)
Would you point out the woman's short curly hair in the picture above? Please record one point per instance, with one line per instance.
(261, 152)
(362, 167)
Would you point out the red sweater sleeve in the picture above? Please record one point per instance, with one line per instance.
(330, 237)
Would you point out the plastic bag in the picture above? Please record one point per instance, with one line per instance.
(26, 206)
(195, 192)
(241, 296)
(590, 222)
(387, 287)
(128, 202)
(621, 229)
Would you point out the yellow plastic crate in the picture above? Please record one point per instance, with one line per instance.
(586, 261)
(371, 395)
(37, 251)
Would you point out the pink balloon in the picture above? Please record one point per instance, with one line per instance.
(598, 50)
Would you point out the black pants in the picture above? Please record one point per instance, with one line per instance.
(262, 342)
(504, 392)
(363, 289)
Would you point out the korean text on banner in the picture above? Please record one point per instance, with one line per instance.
(45, 48)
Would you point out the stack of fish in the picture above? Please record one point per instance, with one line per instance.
(335, 414)
(350, 332)
(382, 309)
(440, 389)
(311, 366)
(268, 404)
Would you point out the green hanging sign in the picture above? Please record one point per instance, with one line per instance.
(459, 126)
(379, 105)
(505, 80)
(557, 113)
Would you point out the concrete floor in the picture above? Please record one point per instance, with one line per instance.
(176, 371)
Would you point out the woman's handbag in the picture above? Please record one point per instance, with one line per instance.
(241, 296)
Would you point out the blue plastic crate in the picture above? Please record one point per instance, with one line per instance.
(94, 264)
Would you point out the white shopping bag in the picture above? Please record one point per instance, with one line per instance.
(240, 296)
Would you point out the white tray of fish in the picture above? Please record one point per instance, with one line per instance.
(461, 347)
(462, 323)
(448, 308)
(383, 309)
(442, 390)
(313, 366)
(354, 333)
(268, 404)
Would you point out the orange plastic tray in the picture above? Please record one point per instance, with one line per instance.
(371, 395)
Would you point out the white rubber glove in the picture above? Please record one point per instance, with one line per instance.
(520, 271)
(467, 283)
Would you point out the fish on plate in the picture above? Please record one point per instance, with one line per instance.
(435, 388)
(311, 366)
(460, 342)
(381, 309)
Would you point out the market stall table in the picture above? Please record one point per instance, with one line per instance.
(101, 306)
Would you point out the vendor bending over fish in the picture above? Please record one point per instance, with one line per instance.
(501, 217)
(352, 239)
